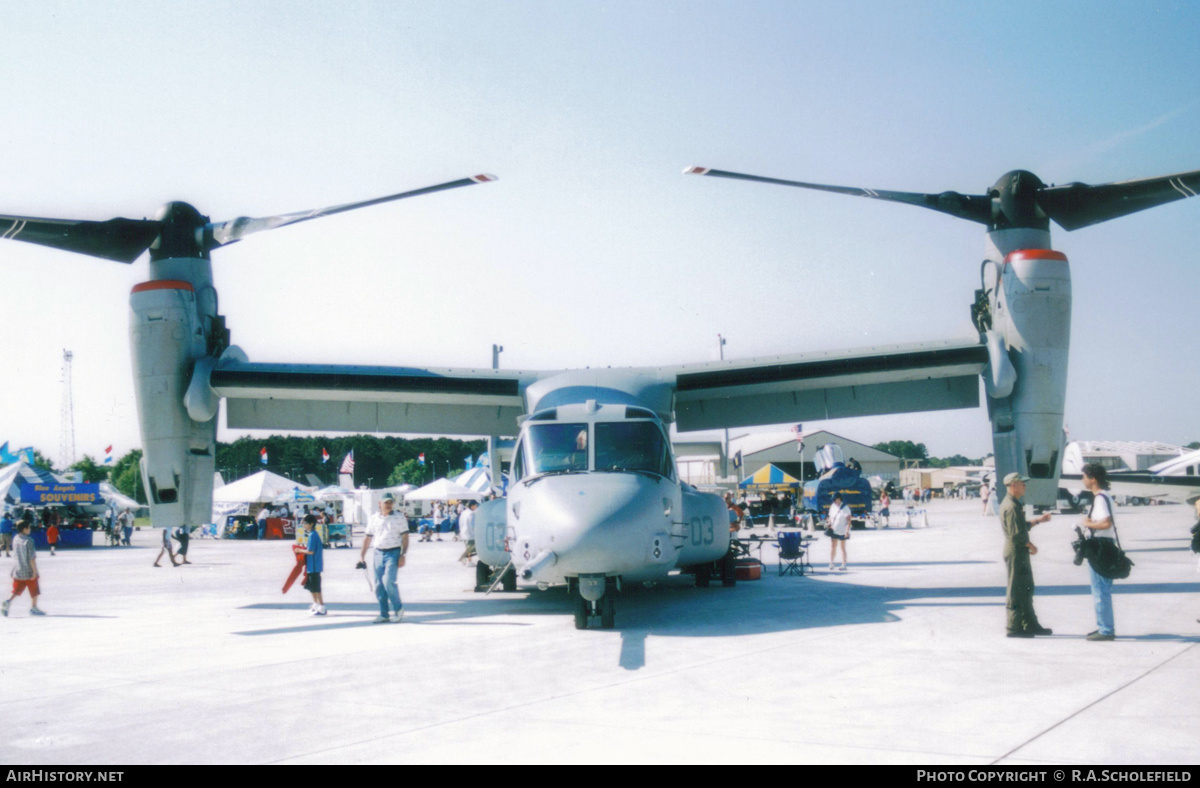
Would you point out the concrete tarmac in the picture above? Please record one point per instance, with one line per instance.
(901, 659)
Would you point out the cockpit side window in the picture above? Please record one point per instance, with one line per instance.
(558, 448)
(632, 446)
(518, 463)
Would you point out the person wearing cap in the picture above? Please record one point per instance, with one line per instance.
(1022, 621)
(388, 532)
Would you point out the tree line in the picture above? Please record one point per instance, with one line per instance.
(378, 461)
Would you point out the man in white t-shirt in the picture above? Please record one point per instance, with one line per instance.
(261, 521)
(388, 532)
(466, 530)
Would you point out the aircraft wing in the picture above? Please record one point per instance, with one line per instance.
(866, 382)
(1142, 485)
(370, 399)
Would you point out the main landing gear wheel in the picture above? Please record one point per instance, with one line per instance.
(703, 575)
(581, 610)
(483, 576)
(729, 570)
(509, 581)
(608, 610)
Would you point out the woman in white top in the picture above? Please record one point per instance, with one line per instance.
(839, 530)
(1099, 519)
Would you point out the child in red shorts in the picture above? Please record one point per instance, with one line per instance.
(25, 573)
(52, 537)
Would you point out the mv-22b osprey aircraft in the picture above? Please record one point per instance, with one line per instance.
(594, 499)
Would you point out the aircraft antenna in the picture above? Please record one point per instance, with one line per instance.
(66, 446)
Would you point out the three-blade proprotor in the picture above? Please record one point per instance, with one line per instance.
(121, 240)
(1020, 199)
(975, 208)
(1076, 205)
(222, 233)
(180, 231)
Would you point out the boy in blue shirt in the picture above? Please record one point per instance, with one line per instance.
(314, 564)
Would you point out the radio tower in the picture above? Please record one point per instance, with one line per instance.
(66, 447)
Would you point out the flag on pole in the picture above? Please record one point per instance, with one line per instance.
(421, 458)
(737, 459)
(324, 455)
(262, 455)
(108, 455)
(348, 463)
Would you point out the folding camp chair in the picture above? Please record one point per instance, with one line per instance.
(791, 554)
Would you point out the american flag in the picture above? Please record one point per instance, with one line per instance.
(324, 456)
(348, 463)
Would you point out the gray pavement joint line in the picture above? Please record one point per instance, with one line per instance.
(1103, 697)
(612, 685)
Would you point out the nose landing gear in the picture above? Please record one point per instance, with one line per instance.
(605, 607)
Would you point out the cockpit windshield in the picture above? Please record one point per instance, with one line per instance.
(558, 448)
(631, 446)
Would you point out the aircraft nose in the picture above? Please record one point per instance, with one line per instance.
(592, 523)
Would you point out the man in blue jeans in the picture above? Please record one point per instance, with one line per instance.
(388, 533)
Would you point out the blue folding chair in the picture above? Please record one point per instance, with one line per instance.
(791, 554)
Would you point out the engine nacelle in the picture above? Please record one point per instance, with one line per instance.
(491, 532)
(167, 337)
(1031, 309)
(704, 528)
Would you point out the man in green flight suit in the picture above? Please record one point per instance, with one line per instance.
(1022, 621)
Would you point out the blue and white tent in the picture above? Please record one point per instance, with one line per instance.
(477, 479)
(13, 476)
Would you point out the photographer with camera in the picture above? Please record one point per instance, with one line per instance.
(1022, 621)
(1099, 520)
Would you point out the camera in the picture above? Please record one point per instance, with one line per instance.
(1078, 545)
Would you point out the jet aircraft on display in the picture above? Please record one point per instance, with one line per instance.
(594, 498)
(1173, 480)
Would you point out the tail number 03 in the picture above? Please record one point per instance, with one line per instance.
(703, 531)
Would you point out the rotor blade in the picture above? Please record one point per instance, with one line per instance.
(975, 208)
(122, 240)
(1076, 205)
(223, 233)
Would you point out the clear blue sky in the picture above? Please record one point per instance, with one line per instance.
(593, 249)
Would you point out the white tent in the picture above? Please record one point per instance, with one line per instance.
(332, 493)
(262, 487)
(400, 491)
(444, 490)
